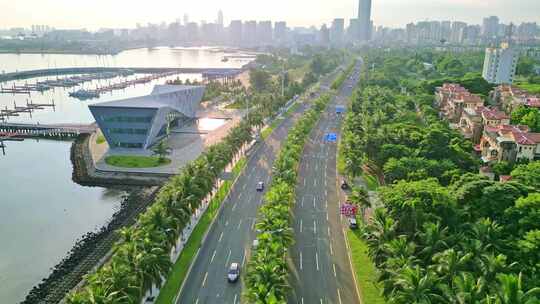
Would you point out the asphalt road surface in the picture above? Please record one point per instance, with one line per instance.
(321, 269)
(232, 235)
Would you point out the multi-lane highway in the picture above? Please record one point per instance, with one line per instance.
(321, 269)
(231, 237)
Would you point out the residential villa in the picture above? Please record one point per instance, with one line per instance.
(510, 97)
(509, 143)
(453, 99)
(489, 127)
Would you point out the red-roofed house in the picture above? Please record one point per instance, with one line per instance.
(472, 121)
(509, 143)
(510, 97)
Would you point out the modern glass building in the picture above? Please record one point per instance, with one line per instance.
(142, 121)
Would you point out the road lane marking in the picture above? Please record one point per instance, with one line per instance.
(197, 302)
(331, 249)
(334, 267)
(302, 202)
(220, 236)
(204, 280)
(321, 301)
(240, 195)
(253, 224)
(213, 256)
(314, 203)
(315, 227)
(300, 225)
(227, 223)
(228, 258)
(304, 182)
(317, 260)
(234, 207)
(239, 224)
(339, 296)
(328, 231)
(315, 182)
(300, 260)
(302, 300)
(244, 258)
(235, 296)
(327, 219)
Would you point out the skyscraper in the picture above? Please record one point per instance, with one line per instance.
(220, 19)
(364, 19)
(500, 64)
(337, 31)
(490, 27)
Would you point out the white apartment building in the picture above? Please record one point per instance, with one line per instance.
(500, 64)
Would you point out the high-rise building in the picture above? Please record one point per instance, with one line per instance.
(264, 33)
(500, 64)
(337, 31)
(249, 33)
(235, 32)
(280, 32)
(220, 19)
(353, 32)
(324, 35)
(364, 19)
(456, 31)
(490, 27)
(186, 19)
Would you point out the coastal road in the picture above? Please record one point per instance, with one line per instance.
(233, 233)
(321, 269)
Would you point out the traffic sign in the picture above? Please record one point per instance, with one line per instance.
(348, 209)
(331, 137)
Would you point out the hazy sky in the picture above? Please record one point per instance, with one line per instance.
(93, 14)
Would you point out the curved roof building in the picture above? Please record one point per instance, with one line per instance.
(140, 122)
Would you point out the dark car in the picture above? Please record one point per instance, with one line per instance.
(260, 186)
(234, 273)
(344, 185)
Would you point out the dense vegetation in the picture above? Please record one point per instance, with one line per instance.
(442, 234)
(267, 277)
(527, 116)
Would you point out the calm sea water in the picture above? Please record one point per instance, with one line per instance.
(42, 212)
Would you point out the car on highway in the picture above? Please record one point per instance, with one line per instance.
(234, 273)
(260, 186)
(352, 223)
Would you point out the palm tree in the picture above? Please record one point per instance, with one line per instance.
(510, 291)
(449, 263)
(415, 285)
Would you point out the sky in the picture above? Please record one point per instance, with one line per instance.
(94, 14)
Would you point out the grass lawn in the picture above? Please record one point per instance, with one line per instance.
(133, 161)
(181, 267)
(531, 87)
(364, 269)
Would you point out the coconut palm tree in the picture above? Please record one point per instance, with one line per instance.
(510, 291)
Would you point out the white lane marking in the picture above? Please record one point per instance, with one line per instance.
(302, 202)
(331, 249)
(253, 224)
(213, 256)
(325, 182)
(326, 192)
(228, 258)
(234, 207)
(304, 182)
(239, 224)
(326, 204)
(204, 280)
(197, 302)
(235, 296)
(220, 237)
(240, 195)
(244, 187)
(315, 227)
(314, 203)
(317, 260)
(334, 267)
(328, 231)
(227, 223)
(300, 225)
(339, 296)
(300, 260)
(327, 217)
(302, 300)
(321, 301)
(244, 258)
(315, 182)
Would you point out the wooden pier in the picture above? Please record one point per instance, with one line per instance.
(6, 113)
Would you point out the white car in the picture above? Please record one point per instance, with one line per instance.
(255, 244)
(234, 273)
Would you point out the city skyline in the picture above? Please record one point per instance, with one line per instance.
(65, 16)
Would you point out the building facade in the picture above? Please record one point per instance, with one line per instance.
(142, 121)
(500, 64)
(364, 20)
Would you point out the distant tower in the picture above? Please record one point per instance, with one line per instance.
(364, 20)
(220, 18)
(186, 19)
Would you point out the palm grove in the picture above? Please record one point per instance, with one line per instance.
(443, 234)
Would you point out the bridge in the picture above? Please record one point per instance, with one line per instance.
(90, 70)
(19, 130)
